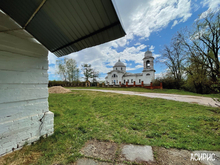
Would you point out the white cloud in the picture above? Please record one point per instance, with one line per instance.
(137, 44)
(160, 75)
(136, 67)
(156, 55)
(162, 60)
(174, 23)
(52, 58)
(52, 70)
(144, 17)
(204, 14)
(152, 48)
(213, 5)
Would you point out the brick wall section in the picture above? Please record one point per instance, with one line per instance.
(24, 112)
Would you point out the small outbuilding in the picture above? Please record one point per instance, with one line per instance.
(28, 29)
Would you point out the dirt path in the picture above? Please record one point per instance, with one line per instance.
(183, 98)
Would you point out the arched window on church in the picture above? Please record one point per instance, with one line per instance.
(116, 68)
(114, 75)
(148, 64)
(148, 74)
(121, 68)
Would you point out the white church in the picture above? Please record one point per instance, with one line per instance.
(119, 75)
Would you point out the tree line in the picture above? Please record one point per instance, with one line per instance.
(192, 57)
(69, 72)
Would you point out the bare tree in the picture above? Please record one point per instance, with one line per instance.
(174, 58)
(67, 69)
(77, 75)
(203, 44)
(61, 69)
(71, 69)
(87, 71)
(95, 75)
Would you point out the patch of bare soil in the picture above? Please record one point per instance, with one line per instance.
(173, 157)
(102, 150)
(58, 89)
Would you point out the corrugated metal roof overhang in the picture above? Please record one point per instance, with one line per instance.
(66, 26)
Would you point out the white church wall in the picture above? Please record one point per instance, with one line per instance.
(117, 79)
(120, 77)
(148, 78)
(131, 79)
(24, 112)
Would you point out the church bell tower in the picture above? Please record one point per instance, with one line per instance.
(148, 61)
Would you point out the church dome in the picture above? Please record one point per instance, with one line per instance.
(148, 53)
(119, 64)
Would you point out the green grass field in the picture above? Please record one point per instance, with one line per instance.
(138, 89)
(84, 115)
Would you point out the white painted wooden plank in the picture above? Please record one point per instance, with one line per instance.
(12, 105)
(11, 95)
(13, 61)
(28, 109)
(25, 126)
(23, 86)
(36, 76)
(14, 44)
(21, 109)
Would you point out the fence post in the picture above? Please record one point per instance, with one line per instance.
(151, 85)
(134, 83)
(126, 84)
(161, 85)
(142, 83)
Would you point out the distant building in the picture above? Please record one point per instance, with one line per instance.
(119, 74)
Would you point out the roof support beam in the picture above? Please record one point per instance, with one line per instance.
(35, 12)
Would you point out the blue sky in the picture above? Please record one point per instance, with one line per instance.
(148, 23)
